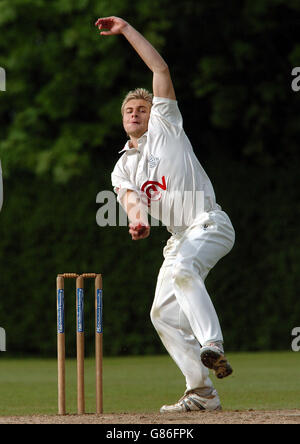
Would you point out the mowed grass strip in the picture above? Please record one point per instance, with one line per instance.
(261, 381)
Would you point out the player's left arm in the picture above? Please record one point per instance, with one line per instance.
(162, 82)
(137, 215)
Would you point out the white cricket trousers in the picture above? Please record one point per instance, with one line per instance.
(182, 312)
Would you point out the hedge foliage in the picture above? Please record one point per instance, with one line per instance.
(59, 139)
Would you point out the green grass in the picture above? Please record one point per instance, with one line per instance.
(142, 384)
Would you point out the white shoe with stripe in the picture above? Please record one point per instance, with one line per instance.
(192, 401)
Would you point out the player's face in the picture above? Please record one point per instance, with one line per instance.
(136, 117)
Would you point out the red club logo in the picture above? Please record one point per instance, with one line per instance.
(150, 188)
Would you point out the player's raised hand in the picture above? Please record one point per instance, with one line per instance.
(112, 25)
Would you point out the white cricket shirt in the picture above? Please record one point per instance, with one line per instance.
(165, 171)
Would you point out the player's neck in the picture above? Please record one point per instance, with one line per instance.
(133, 143)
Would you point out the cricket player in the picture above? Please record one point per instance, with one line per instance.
(157, 166)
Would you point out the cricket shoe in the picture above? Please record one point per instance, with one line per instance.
(192, 401)
(212, 356)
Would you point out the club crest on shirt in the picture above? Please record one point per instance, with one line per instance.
(153, 161)
(151, 190)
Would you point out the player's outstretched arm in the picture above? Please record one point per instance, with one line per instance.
(162, 82)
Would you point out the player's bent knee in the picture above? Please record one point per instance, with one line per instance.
(154, 316)
(158, 318)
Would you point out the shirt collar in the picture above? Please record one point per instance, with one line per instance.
(141, 142)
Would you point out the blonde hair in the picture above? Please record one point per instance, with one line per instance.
(137, 94)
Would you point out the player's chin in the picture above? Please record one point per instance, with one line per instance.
(136, 131)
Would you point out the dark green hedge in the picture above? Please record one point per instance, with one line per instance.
(48, 229)
(60, 133)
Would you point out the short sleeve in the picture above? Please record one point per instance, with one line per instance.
(120, 181)
(166, 110)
